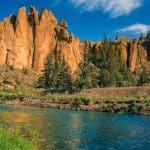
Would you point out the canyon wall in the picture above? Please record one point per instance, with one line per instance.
(27, 39)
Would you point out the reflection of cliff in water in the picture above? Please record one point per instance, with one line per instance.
(19, 118)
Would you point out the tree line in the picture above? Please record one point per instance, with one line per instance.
(103, 69)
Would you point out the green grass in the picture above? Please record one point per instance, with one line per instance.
(10, 141)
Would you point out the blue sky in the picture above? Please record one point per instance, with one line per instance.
(91, 19)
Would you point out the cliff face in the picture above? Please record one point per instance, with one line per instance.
(27, 39)
(135, 53)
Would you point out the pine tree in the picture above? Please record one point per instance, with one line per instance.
(87, 74)
(144, 77)
(114, 71)
(57, 75)
(148, 36)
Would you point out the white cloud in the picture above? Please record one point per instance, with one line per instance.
(114, 7)
(135, 29)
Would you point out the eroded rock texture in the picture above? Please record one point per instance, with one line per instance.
(27, 39)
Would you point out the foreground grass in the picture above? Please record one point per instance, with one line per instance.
(9, 141)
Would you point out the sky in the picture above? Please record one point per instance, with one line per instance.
(92, 19)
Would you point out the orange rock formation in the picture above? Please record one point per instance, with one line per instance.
(27, 39)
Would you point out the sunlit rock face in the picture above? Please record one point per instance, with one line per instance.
(27, 38)
(135, 53)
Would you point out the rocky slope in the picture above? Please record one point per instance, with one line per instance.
(27, 39)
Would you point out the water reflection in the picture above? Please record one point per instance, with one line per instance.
(19, 118)
(70, 130)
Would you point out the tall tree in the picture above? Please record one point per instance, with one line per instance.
(114, 71)
(87, 74)
(144, 77)
(57, 75)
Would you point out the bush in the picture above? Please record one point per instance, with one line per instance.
(85, 101)
(132, 108)
(122, 109)
(76, 103)
(24, 70)
(11, 67)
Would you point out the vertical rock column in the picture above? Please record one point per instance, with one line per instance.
(133, 56)
(7, 41)
(123, 47)
(44, 37)
(2, 46)
(20, 48)
(35, 29)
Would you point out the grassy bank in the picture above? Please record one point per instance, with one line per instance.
(12, 141)
(131, 100)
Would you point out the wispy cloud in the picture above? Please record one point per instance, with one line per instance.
(114, 7)
(135, 29)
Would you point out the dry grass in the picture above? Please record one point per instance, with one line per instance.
(142, 92)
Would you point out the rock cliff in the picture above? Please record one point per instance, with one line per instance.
(27, 39)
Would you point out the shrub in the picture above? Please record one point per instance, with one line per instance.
(11, 67)
(132, 108)
(85, 101)
(24, 70)
(76, 103)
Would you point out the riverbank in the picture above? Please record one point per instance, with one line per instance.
(90, 101)
(18, 87)
(127, 107)
(128, 100)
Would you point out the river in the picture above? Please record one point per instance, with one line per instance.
(81, 130)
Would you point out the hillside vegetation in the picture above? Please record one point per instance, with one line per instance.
(19, 87)
(21, 84)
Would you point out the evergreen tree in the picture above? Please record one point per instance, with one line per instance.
(148, 36)
(57, 75)
(113, 71)
(127, 77)
(87, 74)
(144, 77)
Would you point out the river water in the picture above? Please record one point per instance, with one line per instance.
(80, 130)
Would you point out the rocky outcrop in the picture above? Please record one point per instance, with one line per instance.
(27, 39)
(134, 52)
(44, 39)
(20, 39)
